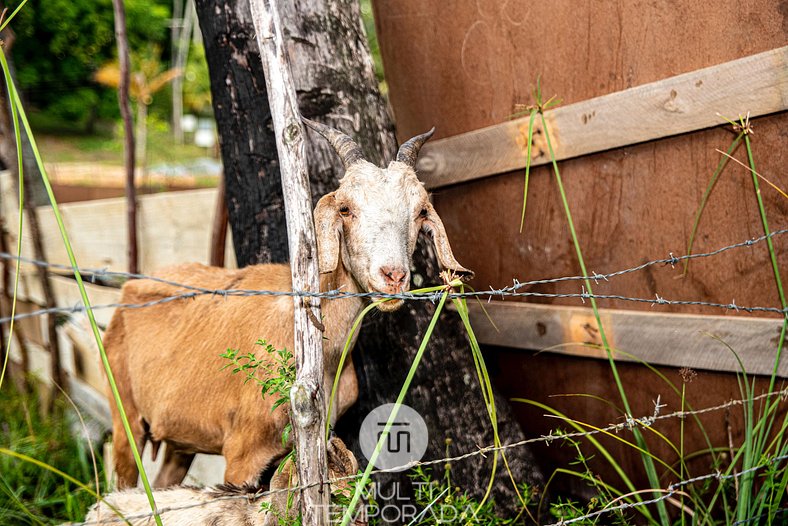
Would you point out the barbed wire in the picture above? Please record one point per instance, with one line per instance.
(672, 490)
(628, 424)
(510, 291)
(670, 260)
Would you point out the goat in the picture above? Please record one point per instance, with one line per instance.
(166, 357)
(225, 505)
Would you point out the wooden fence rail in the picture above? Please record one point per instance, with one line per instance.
(757, 84)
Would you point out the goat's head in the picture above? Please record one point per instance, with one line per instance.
(371, 222)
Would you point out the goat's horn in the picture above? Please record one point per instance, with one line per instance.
(348, 151)
(409, 151)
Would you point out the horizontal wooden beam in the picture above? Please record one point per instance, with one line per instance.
(757, 84)
(678, 340)
(174, 227)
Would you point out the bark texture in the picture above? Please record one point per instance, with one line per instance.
(336, 84)
(247, 142)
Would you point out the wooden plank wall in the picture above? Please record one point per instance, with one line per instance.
(754, 85)
(174, 228)
(631, 204)
(462, 65)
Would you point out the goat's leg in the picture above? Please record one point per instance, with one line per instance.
(246, 460)
(174, 468)
(125, 466)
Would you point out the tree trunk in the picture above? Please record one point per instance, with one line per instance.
(307, 400)
(182, 33)
(336, 84)
(176, 33)
(141, 142)
(247, 143)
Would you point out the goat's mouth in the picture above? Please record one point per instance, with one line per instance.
(390, 305)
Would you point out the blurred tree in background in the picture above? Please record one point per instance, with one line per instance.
(197, 85)
(60, 44)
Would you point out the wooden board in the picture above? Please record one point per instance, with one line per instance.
(90, 400)
(757, 84)
(678, 340)
(173, 228)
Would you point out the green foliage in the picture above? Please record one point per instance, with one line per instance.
(368, 19)
(278, 370)
(28, 493)
(278, 377)
(197, 84)
(60, 44)
(283, 518)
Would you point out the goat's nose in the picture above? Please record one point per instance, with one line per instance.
(394, 276)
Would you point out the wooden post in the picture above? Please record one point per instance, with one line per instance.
(219, 229)
(128, 129)
(307, 405)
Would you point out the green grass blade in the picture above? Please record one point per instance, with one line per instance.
(349, 340)
(760, 438)
(13, 14)
(6, 488)
(62, 474)
(595, 443)
(651, 472)
(21, 186)
(15, 100)
(343, 357)
(527, 165)
(704, 200)
(489, 399)
(348, 515)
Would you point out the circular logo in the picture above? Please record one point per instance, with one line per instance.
(406, 441)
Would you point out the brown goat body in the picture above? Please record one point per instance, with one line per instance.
(166, 359)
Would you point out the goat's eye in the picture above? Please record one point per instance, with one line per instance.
(423, 213)
(344, 211)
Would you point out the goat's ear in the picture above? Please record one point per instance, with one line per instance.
(433, 226)
(327, 225)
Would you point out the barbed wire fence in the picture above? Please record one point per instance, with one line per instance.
(189, 291)
(512, 291)
(628, 424)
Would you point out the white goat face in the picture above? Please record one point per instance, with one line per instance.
(372, 221)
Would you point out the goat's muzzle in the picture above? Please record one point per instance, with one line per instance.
(392, 279)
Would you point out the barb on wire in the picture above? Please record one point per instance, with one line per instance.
(510, 291)
(627, 425)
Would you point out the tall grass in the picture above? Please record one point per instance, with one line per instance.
(648, 462)
(31, 491)
(755, 500)
(19, 117)
(451, 285)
